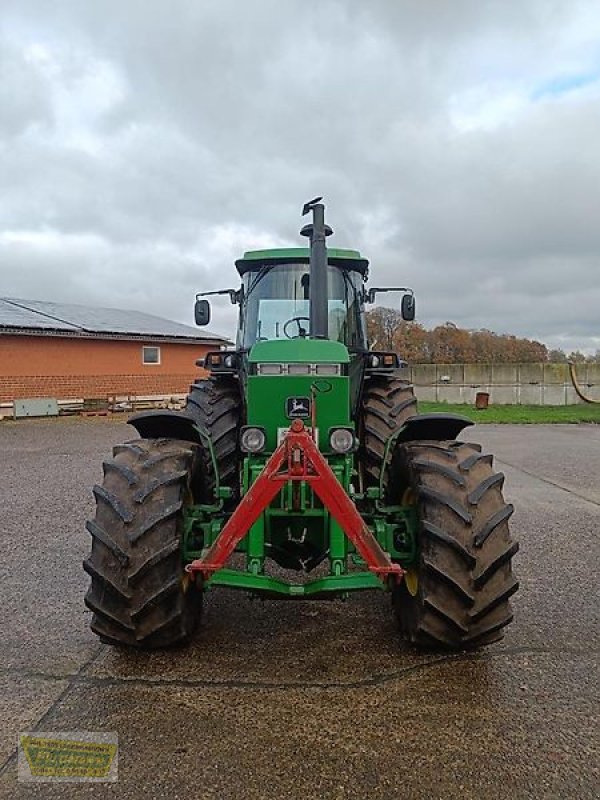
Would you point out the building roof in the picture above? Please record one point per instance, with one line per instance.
(62, 319)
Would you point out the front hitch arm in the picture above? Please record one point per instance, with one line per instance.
(297, 459)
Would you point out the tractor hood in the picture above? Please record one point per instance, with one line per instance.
(309, 351)
(296, 379)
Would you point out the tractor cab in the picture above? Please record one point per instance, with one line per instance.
(275, 297)
(291, 295)
(311, 292)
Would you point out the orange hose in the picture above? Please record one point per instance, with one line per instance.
(577, 387)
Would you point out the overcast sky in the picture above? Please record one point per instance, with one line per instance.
(145, 145)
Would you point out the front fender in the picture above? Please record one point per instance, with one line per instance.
(435, 427)
(421, 427)
(166, 424)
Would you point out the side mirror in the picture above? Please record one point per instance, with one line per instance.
(202, 312)
(408, 307)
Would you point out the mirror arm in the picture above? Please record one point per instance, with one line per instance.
(370, 293)
(234, 294)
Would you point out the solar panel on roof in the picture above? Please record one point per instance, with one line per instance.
(44, 315)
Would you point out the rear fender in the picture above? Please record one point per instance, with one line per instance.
(163, 424)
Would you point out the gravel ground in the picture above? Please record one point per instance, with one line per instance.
(306, 700)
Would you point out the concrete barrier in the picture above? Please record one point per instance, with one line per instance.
(507, 384)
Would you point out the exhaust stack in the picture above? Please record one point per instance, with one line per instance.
(317, 232)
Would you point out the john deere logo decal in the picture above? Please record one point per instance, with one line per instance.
(297, 407)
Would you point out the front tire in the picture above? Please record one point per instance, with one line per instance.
(139, 592)
(458, 595)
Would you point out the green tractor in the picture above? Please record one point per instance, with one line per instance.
(301, 454)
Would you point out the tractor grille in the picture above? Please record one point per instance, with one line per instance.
(298, 369)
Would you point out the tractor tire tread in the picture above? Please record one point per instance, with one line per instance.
(161, 515)
(155, 558)
(139, 594)
(496, 519)
(216, 405)
(472, 459)
(441, 469)
(157, 483)
(101, 535)
(505, 556)
(452, 581)
(465, 579)
(388, 401)
(112, 500)
(434, 532)
(104, 580)
(475, 496)
(122, 469)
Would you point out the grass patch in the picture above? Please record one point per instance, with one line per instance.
(518, 414)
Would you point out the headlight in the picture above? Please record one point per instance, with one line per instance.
(220, 361)
(382, 360)
(341, 440)
(252, 440)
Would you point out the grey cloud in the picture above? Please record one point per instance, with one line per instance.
(142, 148)
(23, 94)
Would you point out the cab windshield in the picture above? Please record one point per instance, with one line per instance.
(275, 305)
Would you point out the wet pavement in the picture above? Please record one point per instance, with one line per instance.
(297, 699)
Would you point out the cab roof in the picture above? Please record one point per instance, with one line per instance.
(254, 259)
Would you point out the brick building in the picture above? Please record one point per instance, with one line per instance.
(77, 352)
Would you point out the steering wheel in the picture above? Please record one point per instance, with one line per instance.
(301, 331)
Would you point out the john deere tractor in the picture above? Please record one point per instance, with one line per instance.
(301, 454)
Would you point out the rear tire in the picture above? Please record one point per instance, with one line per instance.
(464, 576)
(388, 401)
(216, 405)
(139, 592)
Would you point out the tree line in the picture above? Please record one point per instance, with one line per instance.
(449, 344)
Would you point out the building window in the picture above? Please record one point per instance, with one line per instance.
(151, 355)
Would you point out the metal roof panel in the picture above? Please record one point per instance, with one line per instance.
(44, 315)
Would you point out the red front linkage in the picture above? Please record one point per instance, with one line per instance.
(297, 459)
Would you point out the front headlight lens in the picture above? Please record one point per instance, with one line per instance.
(341, 440)
(252, 440)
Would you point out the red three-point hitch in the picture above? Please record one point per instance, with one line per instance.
(297, 459)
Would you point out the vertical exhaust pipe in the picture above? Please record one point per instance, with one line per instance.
(317, 232)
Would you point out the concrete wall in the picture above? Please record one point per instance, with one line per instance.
(519, 384)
